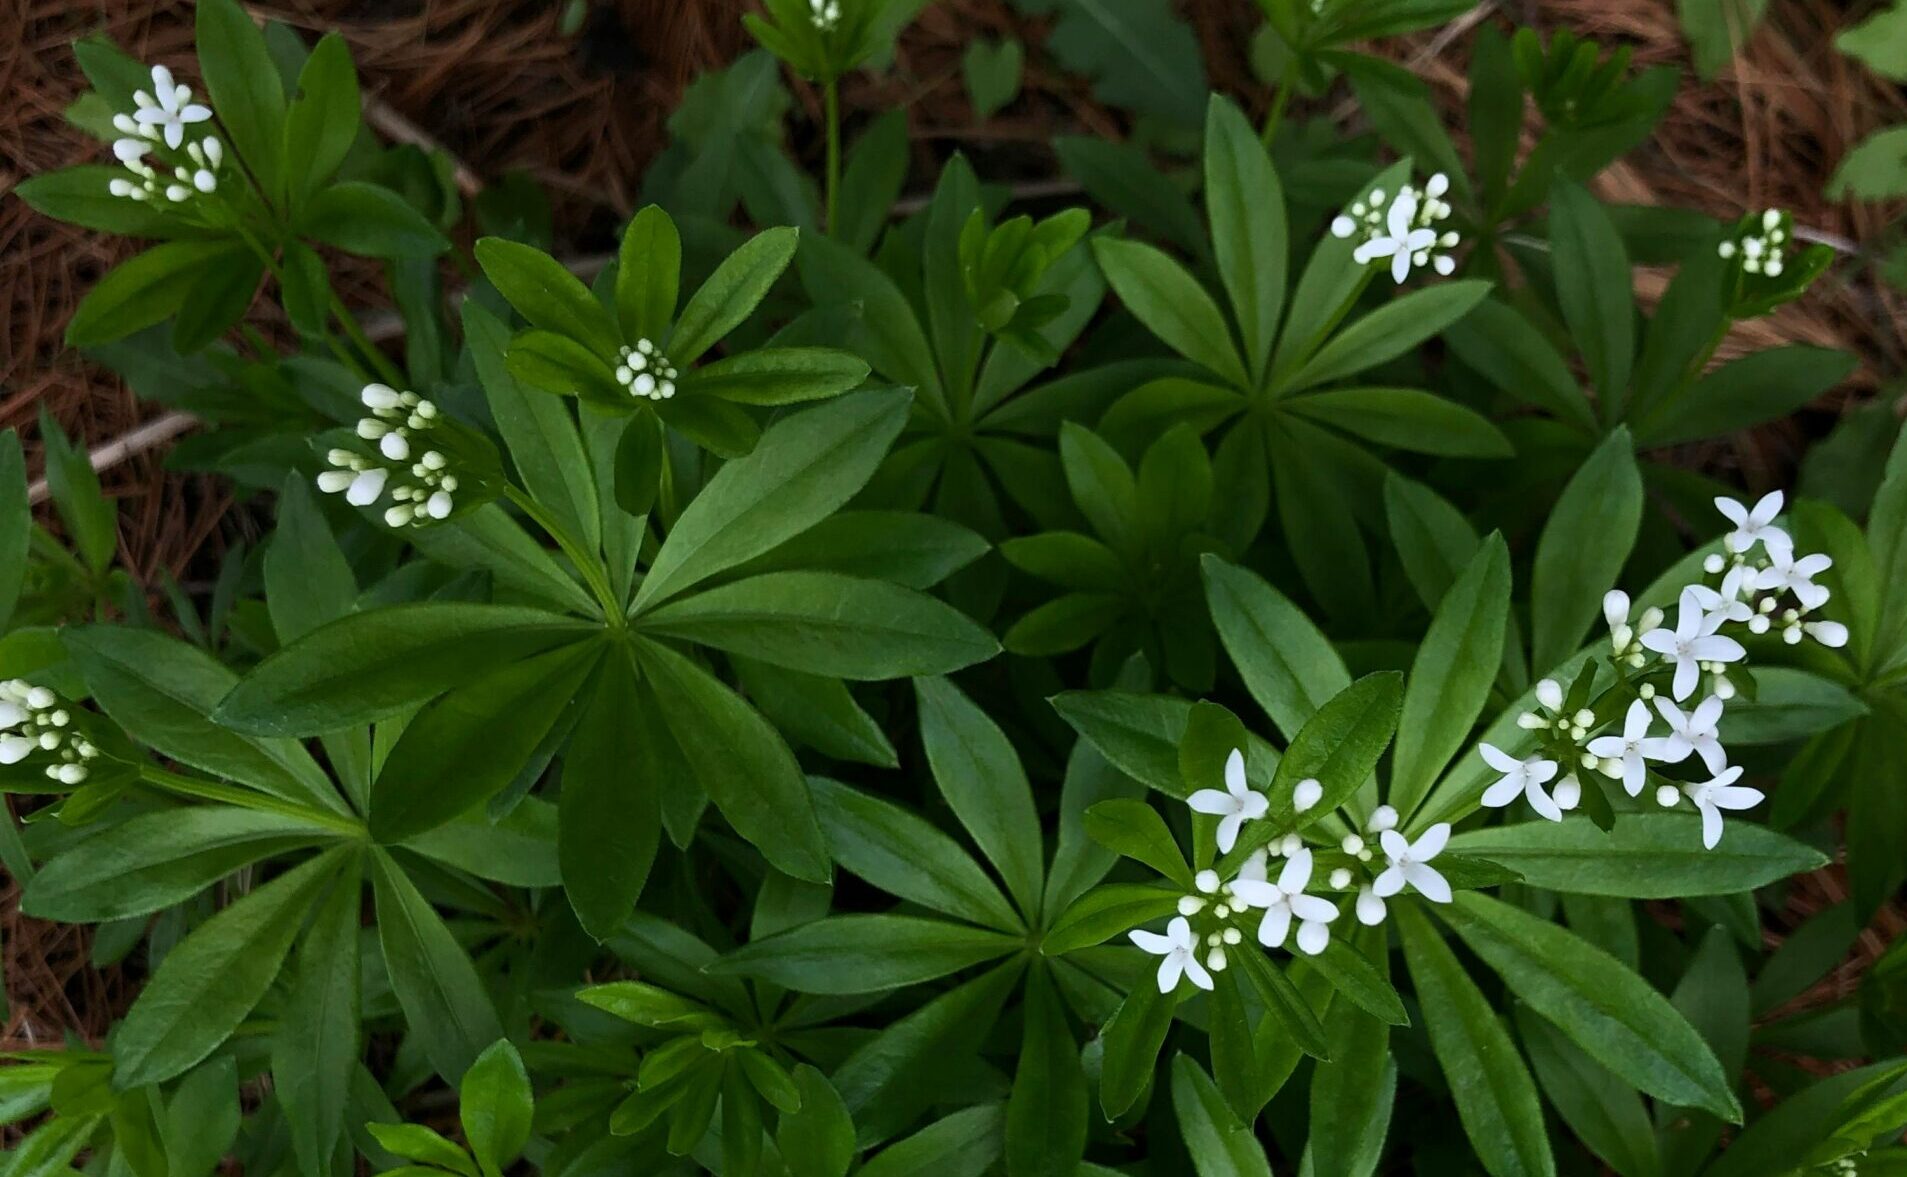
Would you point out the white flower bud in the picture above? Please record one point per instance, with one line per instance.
(1384, 817)
(1340, 878)
(1550, 694)
(1307, 794)
(1206, 881)
(1667, 795)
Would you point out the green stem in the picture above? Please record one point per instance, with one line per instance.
(587, 563)
(1277, 113)
(278, 274)
(831, 102)
(203, 790)
(385, 368)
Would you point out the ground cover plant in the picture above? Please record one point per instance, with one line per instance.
(1223, 671)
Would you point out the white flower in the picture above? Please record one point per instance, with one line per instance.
(1410, 863)
(825, 14)
(1285, 900)
(1180, 949)
(1234, 807)
(1764, 252)
(1711, 797)
(1623, 756)
(1726, 604)
(1754, 525)
(1691, 644)
(1525, 777)
(169, 107)
(422, 491)
(1696, 732)
(1404, 232)
(1787, 574)
(32, 720)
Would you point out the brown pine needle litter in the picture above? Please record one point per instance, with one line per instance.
(501, 87)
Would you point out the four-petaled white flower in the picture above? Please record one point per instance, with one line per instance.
(169, 107)
(1691, 643)
(1284, 901)
(1402, 240)
(1520, 777)
(1787, 574)
(1410, 863)
(1402, 230)
(1623, 756)
(1726, 604)
(1179, 947)
(1754, 525)
(1711, 797)
(1238, 804)
(1694, 732)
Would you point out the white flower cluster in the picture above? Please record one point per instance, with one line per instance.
(162, 117)
(32, 720)
(1404, 231)
(1763, 252)
(400, 423)
(645, 371)
(1194, 944)
(1762, 585)
(825, 14)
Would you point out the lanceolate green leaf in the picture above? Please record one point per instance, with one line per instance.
(1496, 1098)
(1220, 1145)
(16, 524)
(1046, 1113)
(1132, 1041)
(443, 999)
(315, 1049)
(548, 295)
(610, 817)
(1593, 285)
(495, 1105)
(1246, 206)
(1582, 549)
(1612, 1013)
(1166, 298)
(806, 466)
(1287, 664)
(864, 953)
(1388, 332)
(1644, 856)
(980, 775)
(213, 978)
(243, 83)
(1451, 678)
(731, 293)
(648, 273)
(907, 857)
(1339, 747)
(370, 666)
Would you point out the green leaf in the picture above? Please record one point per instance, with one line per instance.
(1389, 331)
(1760, 386)
(495, 1103)
(1367, 986)
(308, 581)
(468, 745)
(1133, 828)
(1220, 1145)
(1495, 1096)
(443, 999)
(1451, 677)
(1875, 169)
(1594, 287)
(610, 818)
(1132, 1040)
(648, 272)
(155, 860)
(147, 288)
(1246, 206)
(1643, 856)
(1138, 53)
(1121, 176)
(817, 1139)
(314, 1051)
(881, 325)
(1046, 1112)
(1613, 1014)
(965, 1144)
(806, 466)
(864, 953)
(1598, 1106)
(1140, 735)
(980, 775)
(911, 549)
(1434, 541)
(83, 196)
(1878, 42)
(163, 692)
(992, 73)
(244, 85)
(16, 524)
(1717, 29)
(1284, 1003)
(1582, 549)
(322, 121)
(1102, 485)
(906, 856)
(208, 983)
(1339, 747)
(371, 221)
(827, 624)
(1287, 664)
(816, 711)
(1108, 911)
(731, 293)
(549, 296)
(740, 761)
(91, 519)
(1331, 282)
(1352, 1095)
(778, 375)
(539, 432)
(1171, 304)
(1498, 341)
(1407, 418)
(371, 666)
(489, 540)
(417, 1143)
(1787, 704)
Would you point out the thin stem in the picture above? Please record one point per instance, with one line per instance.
(587, 563)
(385, 368)
(1277, 112)
(831, 102)
(278, 274)
(203, 790)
